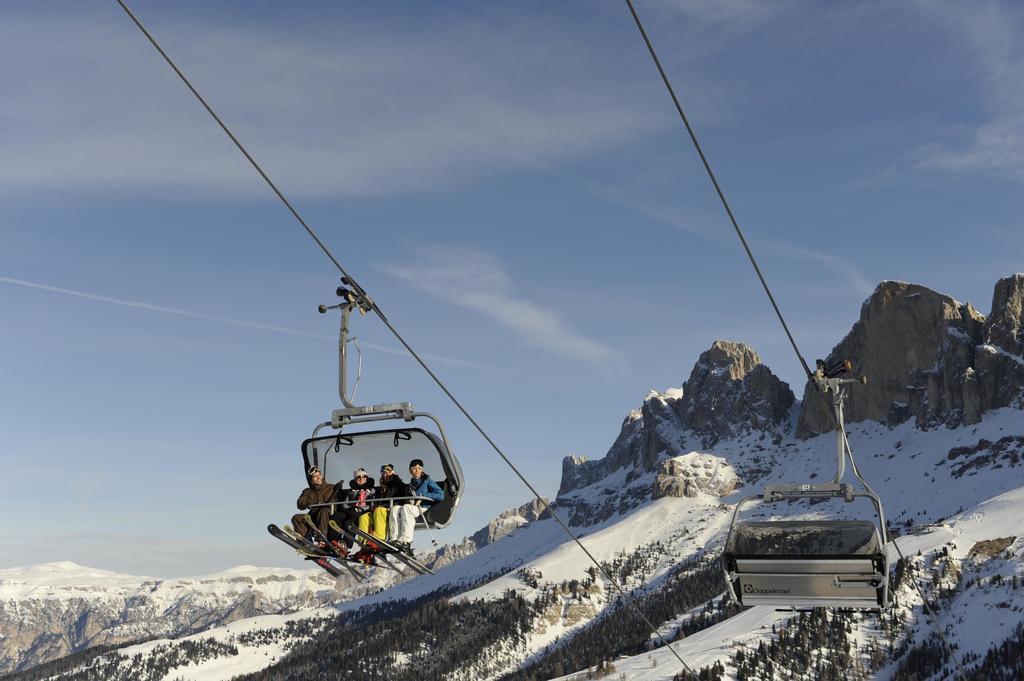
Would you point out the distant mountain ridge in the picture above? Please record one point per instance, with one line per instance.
(54, 609)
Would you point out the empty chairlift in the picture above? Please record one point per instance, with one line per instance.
(797, 564)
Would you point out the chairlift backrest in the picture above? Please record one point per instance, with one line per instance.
(339, 454)
(807, 564)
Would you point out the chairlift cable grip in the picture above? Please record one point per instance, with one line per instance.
(371, 305)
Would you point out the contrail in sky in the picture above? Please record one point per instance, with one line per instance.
(224, 320)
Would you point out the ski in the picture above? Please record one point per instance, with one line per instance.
(378, 559)
(301, 546)
(333, 550)
(330, 548)
(392, 550)
(296, 536)
(309, 552)
(312, 547)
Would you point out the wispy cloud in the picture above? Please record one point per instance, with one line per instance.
(225, 320)
(992, 33)
(479, 281)
(735, 12)
(713, 227)
(339, 112)
(855, 279)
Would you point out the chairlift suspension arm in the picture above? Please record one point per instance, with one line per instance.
(837, 404)
(352, 299)
(346, 311)
(828, 381)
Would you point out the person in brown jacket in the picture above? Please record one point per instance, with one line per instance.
(318, 492)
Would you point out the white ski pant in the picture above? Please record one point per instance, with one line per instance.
(402, 522)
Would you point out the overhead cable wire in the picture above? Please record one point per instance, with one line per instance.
(728, 209)
(931, 614)
(771, 298)
(376, 309)
(714, 181)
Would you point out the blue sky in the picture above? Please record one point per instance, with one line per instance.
(511, 184)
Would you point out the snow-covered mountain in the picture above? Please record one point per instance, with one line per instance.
(938, 431)
(48, 611)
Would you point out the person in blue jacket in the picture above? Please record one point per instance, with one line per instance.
(403, 517)
(422, 485)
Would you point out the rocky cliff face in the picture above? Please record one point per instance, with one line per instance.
(578, 471)
(505, 523)
(929, 358)
(729, 392)
(999, 362)
(693, 474)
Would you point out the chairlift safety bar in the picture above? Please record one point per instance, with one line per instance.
(370, 502)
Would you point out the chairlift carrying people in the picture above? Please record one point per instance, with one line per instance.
(812, 563)
(352, 444)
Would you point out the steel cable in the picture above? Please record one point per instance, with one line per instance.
(931, 613)
(771, 298)
(440, 384)
(714, 181)
(728, 209)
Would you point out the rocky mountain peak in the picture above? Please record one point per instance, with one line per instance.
(729, 391)
(1007, 318)
(999, 361)
(509, 521)
(634, 445)
(928, 357)
(724, 357)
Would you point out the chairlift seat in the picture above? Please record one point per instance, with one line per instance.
(440, 512)
(807, 564)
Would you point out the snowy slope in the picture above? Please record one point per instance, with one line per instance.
(661, 520)
(973, 622)
(910, 468)
(253, 652)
